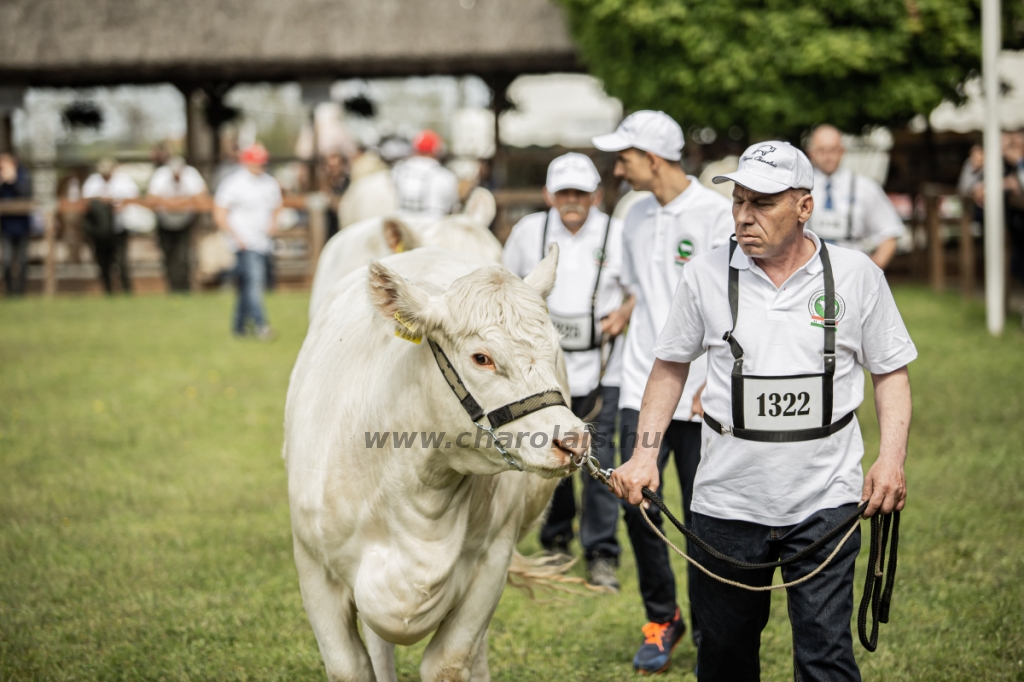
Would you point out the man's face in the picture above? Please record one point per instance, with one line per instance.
(635, 167)
(826, 151)
(573, 205)
(766, 224)
(255, 168)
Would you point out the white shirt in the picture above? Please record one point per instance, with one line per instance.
(188, 184)
(658, 242)
(874, 217)
(574, 282)
(250, 201)
(425, 187)
(780, 484)
(118, 187)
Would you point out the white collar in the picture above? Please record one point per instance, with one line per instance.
(741, 261)
(594, 221)
(681, 202)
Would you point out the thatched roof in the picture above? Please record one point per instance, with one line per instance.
(104, 42)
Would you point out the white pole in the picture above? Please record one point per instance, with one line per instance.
(995, 278)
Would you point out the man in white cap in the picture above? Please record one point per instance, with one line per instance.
(679, 220)
(850, 210)
(588, 306)
(788, 325)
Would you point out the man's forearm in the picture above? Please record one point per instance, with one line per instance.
(884, 253)
(894, 409)
(661, 397)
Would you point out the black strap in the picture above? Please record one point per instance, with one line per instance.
(501, 416)
(544, 235)
(829, 324)
(797, 436)
(734, 345)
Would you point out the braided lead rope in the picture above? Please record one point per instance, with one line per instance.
(766, 588)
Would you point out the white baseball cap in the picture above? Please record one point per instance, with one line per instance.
(770, 168)
(649, 131)
(572, 171)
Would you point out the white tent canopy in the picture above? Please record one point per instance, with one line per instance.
(971, 116)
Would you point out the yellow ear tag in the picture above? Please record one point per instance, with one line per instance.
(408, 334)
(400, 248)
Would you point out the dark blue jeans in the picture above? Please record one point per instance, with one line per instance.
(732, 619)
(251, 274)
(654, 572)
(600, 514)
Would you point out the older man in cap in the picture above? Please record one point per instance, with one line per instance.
(851, 210)
(423, 186)
(679, 220)
(245, 208)
(787, 325)
(178, 184)
(107, 191)
(590, 308)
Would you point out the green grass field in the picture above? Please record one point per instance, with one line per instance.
(144, 529)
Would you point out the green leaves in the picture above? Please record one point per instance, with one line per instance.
(777, 67)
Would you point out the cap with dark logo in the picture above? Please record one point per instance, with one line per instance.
(770, 168)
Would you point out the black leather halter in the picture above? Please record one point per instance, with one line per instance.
(500, 416)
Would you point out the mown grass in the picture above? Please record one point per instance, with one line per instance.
(144, 523)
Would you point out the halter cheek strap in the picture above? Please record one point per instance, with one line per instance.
(500, 416)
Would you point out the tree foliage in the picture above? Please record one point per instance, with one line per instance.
(776, 67)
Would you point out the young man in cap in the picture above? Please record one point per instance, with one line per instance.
(850, 210)
(246, 207)
(587, 303)
(423, 186)
(787, 325)
(679, 220)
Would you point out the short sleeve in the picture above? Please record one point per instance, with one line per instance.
(881, 219)
(196, 183)
(278, 197)
(885, 342)
(682, 337)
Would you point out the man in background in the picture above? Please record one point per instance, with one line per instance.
(107, 191)
(245, 208)
(15, 229)
(850, 210)
(178, 184)
(424, 187)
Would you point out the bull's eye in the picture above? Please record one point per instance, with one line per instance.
(482, 360)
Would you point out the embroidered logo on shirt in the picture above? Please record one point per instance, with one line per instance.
(816, 307)
(684, 251)
(599, 257)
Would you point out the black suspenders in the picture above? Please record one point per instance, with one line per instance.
(849, 216)
(827, 427)
(597, 282)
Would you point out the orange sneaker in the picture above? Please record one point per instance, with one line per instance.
(655, 654)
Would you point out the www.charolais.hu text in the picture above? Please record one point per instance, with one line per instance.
(483, 439)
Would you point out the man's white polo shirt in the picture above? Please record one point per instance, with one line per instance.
(874, 217)
(780, 484)
(657, 244)
(578, 257)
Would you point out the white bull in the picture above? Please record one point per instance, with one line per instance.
(357, 245)
(419, 539)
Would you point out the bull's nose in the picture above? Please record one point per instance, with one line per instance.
(573, 446)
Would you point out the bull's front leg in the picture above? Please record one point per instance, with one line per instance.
(332, 613)
(454, 653)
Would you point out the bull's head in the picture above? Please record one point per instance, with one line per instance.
(495, 331)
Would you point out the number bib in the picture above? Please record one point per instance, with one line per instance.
(573, 330)
(830, 225)
(782, 403)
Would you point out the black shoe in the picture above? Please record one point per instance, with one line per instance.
(601, 573)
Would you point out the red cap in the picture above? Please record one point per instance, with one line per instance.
(256, 154)
(427, 142)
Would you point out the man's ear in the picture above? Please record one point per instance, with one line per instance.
(395, 298)
(804, 208)
(542, 278)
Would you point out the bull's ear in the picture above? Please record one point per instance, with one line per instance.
(542, 278)
(392, 294)
(399, 236)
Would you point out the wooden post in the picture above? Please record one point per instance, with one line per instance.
(967, 257)
(50, 263)
(316, 205)
(936, 256)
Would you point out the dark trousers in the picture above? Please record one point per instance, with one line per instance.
(657, 582)
(176, 247)
(732, 619)
(108, 252)
(600, 513)
(14, 252)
